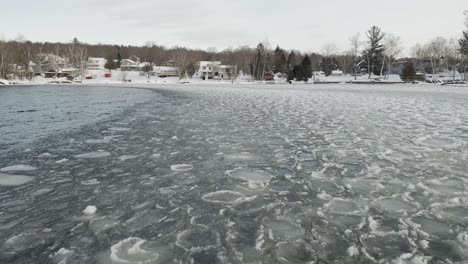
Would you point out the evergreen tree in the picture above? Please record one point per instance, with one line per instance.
(280, 62)
(110, 64)
(298, 73)
(259, 63)
(119, 57)
(291, 62)
(375, 49)
(306, 67)
(464, 44)
(408, 73)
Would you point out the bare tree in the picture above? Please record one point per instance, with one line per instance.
(4, 58)
(329, 49)
(356, 44)
(393, 48)
(435, 51)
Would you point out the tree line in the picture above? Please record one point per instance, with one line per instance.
(376, 52)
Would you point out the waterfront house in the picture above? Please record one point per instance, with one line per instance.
(129, 65)
(166, 71)
(96, 63)
(208, 69)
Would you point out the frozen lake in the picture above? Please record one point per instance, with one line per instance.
(240, 174)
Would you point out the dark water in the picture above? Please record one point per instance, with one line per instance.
(28, 113)
(253, 174)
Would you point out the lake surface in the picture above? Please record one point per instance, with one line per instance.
(235, 174)
(28, 113)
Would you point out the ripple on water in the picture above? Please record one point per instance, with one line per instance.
(250, 175)
(223, 197)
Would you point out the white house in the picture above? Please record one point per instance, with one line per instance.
(337, 73)
(166, 71)
(95, 63)
(226, 72)
(129, 65)
(208, 69)
(215, 70)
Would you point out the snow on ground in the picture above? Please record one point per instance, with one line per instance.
(251, 174)
(136, 77)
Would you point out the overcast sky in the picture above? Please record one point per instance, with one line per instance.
(306, 25)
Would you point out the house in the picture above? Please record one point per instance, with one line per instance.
(20, 71)
(46, 62)
(96, 63)
(166, 71)
(129, 65)
(208, 69)
(215, 70)
(226, 72)
(337, 73)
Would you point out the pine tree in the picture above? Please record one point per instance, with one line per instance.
(464, 44)
(291, 62)
(280, 62)
(374, 52)
(408, 73)
(110, 64)
(298, 73)
(259, 63)
(119, 57)
(306, 67)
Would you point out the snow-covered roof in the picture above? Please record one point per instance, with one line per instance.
(97, 60)
(166, 68)
(205, 63)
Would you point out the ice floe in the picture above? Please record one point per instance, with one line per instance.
(181, 167)
(197, 239)
(18, 167)
(93, 155)
(90, 210)
(223, 197)
(14, 180)
(250, 175)
(133, 250)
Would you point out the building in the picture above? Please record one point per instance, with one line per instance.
(96, 63)
(208, 69)
(227, 72)
(337, 73)
(46, 62)
(166, 71)
(215, 70)
(129, 65)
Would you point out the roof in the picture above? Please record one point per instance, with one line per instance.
(209, 62)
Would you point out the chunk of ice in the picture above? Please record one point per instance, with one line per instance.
(93, 155)
(90, 210)
(223, 197)
(14, 180)
(181, 167)
(18, 167)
